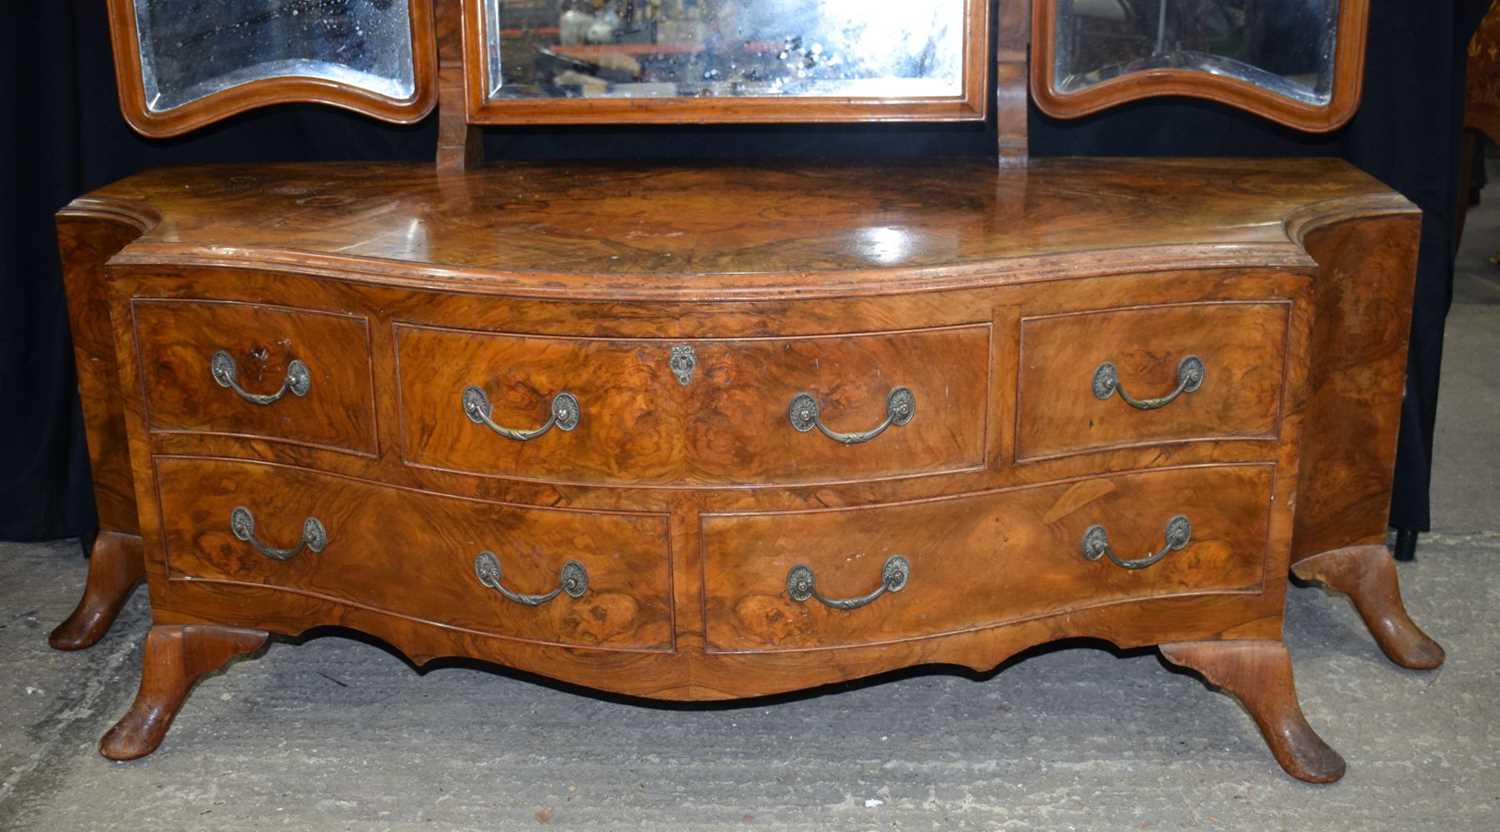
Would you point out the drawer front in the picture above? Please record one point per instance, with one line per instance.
(1097, 380)
(912, 570)
(271, 372)
(418, 555)
(731, 424)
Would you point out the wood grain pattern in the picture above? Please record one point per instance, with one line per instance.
(1240, 345)
(779, 275)
(460, 144)
(116, 568)
(1367, 574)
(1012, 72)
(729, 426)
(1366, 277)
(981, 560)
(176, 657)
(412, 554)
(267, 91)
(1259, 675)
(690, 672)
(1346, 86)
(667, 322)
(89, 234)
(740, 232)
(177, 340)
(968, 105)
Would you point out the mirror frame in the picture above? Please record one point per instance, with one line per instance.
(1348, 79)
(267, 91)
(970, 105)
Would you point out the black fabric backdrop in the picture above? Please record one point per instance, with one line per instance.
(63, 136)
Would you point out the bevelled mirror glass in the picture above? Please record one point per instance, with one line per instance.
(712, 50)
(185, 62)
(1100, 52)
(1285, 46)
(191, 49)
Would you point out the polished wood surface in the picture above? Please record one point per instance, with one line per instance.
(411, 554)
(460, 145)
(116, 568)
(1238, 343)
(1348, 79)
(87, 236)
(1366, 276)
(843, 281)
(267, 91)
(1012, 102)
(1259, 675)
(177, 341)
(738, 231)
(1367, 574)
(176, 657)
(728, 426)
(969, 105)
(1001, 557)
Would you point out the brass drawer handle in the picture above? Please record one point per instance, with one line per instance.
(298, 379)
(574, 580)
(314, 536)
(801, 585)
(1096, 544)
(805, 414)
(564, 414)
(1190, 373)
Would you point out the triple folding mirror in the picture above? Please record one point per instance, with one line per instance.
(185, 63)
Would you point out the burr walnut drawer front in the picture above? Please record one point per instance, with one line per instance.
(595, 579)
(704, 412)
(272, 372)
(842, 577)
(1097, 380)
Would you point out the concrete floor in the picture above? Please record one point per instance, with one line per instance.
(338, 734)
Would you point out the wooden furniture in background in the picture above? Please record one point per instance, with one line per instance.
(708, 432)
(1481, 107)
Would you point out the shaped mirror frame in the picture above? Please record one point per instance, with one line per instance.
(543, 105)
(236, 91)
(1213, 83)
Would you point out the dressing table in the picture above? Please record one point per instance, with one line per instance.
(698, 432)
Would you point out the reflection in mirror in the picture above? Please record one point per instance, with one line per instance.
(1284, 46)
(191, 49)
(739, 48)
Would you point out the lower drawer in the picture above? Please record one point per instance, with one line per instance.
(830, 578)
(420, 555)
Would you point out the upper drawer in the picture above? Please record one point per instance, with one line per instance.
(549, 576)
(272, 372)
(1114, 378)
(895, 572)
(627, 419)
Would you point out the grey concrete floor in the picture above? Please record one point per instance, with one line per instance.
(338, 734)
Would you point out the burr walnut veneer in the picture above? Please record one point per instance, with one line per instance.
(712, 432)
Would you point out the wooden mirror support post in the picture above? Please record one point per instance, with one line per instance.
(460, 144)
(685, 433)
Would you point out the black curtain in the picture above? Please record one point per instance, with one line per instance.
(64, 136)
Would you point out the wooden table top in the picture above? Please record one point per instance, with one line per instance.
(737, 229)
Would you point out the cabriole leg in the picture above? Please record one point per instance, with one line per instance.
(1259, 675)
(1368, 576)
(116, 565)
(176, 656)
